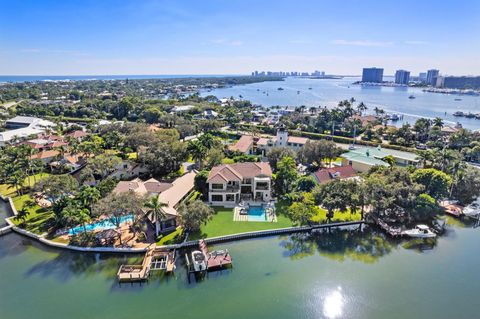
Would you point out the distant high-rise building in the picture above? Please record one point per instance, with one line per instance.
(422, 76)
(373, 75)
(460, 82)
(432, 76)
(402, 77)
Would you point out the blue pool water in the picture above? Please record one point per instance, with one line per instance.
(256, 214)
(103, 224)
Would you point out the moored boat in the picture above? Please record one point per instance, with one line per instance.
(199, 261)
(420, 231)
(411, 97)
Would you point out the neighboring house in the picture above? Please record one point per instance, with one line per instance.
(46, 156)
(151, 187)
(69, 162)
(128, 169)
(210, 114)
(244, 145)
(173, 196)
(230, 183)
(249, 144)
(182, 108)
(282, 139)
(363, 158)
(78, 135)
(326, 175)
(22, 127)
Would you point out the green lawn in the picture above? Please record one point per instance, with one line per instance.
(222, 224)
(174, 237)
(38, 219)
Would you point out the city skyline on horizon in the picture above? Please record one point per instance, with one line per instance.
(164, 37)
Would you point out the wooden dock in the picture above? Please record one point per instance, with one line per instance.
(153, 260)
(216, 260)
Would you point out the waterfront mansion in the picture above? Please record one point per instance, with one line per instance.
(249, 144)
(230, 183)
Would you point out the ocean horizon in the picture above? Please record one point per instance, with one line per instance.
(36, 78)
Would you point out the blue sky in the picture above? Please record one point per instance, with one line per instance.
(235, 37)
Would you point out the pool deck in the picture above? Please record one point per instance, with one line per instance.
(237, 217)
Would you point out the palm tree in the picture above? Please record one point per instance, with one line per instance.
(155, 206)
(198, 152)
(361, 108)
(390, 160)
(88, 196)
(83, 217)
(438, 122)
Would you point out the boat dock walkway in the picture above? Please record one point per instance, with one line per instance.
(215, 260)
(392, 231)
(154, 260)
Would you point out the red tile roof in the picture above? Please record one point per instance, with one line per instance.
(77, 134)
(243, 144)
(298, 140)
(327, 174)
(239, 171)
(45, 154)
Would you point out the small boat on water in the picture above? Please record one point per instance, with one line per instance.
(470, 115)
(457, 99)
(309, 88)
(280, 89)
(199, 261)
(411, 97)
(420, 231)
(458, 113)
(298, 92)
(394, 117)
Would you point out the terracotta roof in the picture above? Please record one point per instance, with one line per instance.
(262, 141)
(57, 144)
(243, 144)
(298, 140)
(77, 134)
(327, 174)
(239, 171)
(135, 185)
(155, 187)
(45, 154)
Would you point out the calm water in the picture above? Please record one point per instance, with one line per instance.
(328, 92)
(4, 212)
(341, 275)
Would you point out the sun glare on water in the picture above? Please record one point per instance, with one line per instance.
(333, 304)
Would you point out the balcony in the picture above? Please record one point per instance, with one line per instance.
(228, 189)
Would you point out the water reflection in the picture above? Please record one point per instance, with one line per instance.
(366, 245)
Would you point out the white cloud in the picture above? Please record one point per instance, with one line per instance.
(363, 43)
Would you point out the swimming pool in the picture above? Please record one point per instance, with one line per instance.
(256, 214)
(103, 224)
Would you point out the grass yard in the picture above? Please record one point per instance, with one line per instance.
(38, 219)
(222, 224)
(174, 237)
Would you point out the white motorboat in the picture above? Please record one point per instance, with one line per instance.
(199, 261)
(420, 231)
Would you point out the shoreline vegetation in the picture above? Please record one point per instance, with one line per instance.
(112, 131)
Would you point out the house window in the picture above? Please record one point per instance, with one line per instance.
(230, 198)
(247, 181)
(262, 186)
(217, 198)
(217, 186)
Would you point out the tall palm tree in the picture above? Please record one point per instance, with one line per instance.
(198, 152)
(361, 108)
(155, 205)
(438, 122)
(88, 196)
